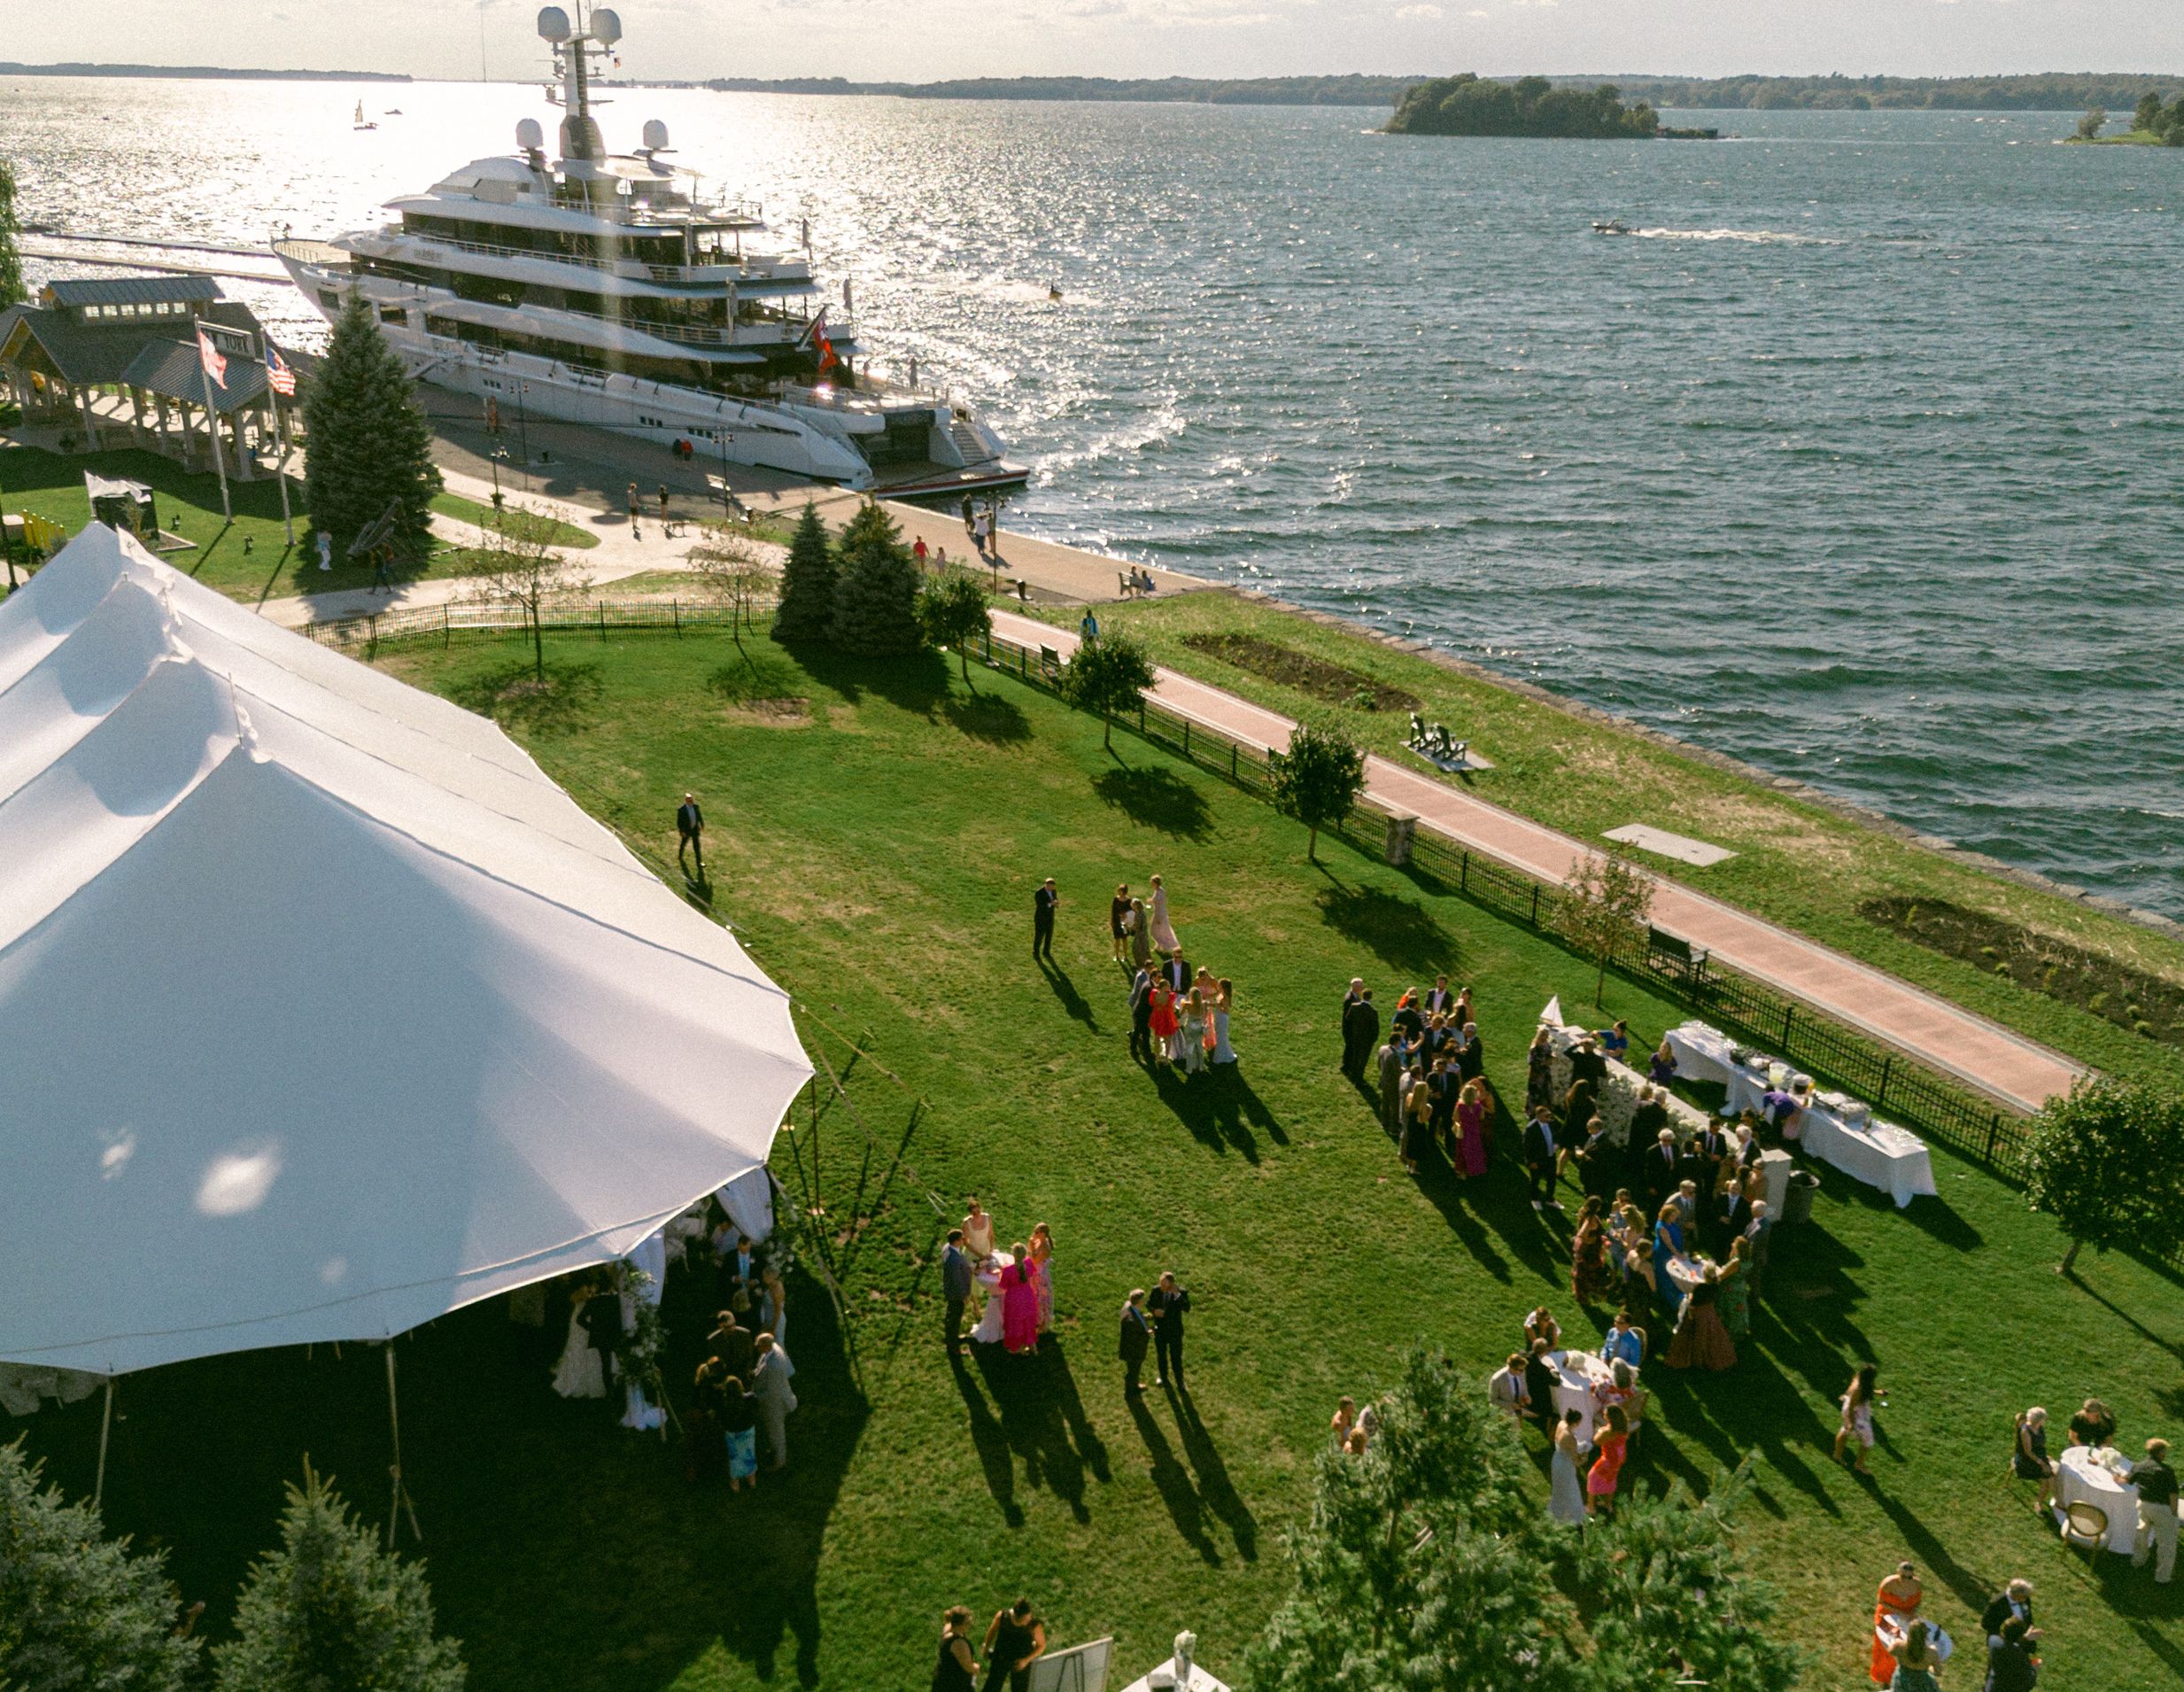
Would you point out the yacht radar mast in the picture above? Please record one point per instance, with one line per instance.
(575, 46)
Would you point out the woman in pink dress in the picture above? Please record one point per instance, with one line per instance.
(1019, 1302)
(1471, 1128)
(1042, 1258)
(1613, 1442)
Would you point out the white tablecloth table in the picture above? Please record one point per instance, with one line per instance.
(2078, 1479)
(1701, 1053)
(1880, 1153)
(1576, 1373)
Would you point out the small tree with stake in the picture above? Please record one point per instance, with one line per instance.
(1106, 675)
(1317, 781)
(2107, 1162)
(727, 565)
(1609, 899)
(953, 611)
(518, 566)
(806, 608)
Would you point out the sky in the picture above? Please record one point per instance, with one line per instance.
(921, 40)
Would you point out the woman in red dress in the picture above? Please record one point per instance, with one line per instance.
(1019, 1302)
(1900, 1596)
(1613, 1442)
(1164, 1019)
(1471, 1116)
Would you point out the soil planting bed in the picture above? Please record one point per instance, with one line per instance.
(1328, 682)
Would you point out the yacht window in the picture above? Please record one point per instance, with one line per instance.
(394, 314)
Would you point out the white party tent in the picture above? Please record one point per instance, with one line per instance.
(322, 1011)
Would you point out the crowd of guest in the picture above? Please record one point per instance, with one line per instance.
(1430, 1074)
(742, 1389)
(1014, 1287)
(1179, 1011)
(2152, 1480)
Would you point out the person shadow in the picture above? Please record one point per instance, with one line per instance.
(1033, 1398)
(1214, 1485)
(1173, 1483)
(988, 1439)
(1075, 1003)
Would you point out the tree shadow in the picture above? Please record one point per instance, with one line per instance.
(1156, 798)
(986, 717)
(516, 696)
(1078, 1007)
(917, 682)
(1401, 932)
(1929, 1553)
(1032, 1395)
(2124, 1316)
(759, 673)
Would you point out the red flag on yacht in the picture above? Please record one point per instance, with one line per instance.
(208, 355)
(279, 377)
(827, 361)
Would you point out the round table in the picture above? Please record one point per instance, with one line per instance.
(1890, 1631)
(1687, 1272)
(2079, 1480)
(1577, 1374)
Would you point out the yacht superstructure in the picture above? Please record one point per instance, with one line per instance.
(604, 289)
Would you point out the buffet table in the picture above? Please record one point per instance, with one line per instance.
(2079, 1478)
(1577, 1374)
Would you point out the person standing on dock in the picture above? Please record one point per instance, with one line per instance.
(635, 532)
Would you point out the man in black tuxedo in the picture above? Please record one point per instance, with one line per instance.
(1440, 1002)
(1141, 1015)
(1407, 1016)
(2016, 1599)
(1442, 1086)
(1647, 1122)
(1361, 1034)
(741, 1268)
(1176, 972)
(1349, 1029)
(1540, 1159)
(955, 1288)
(689, 832)
(1042, 918)
(1169, 1304)
(1596, 1161)
(1136, 1338)
(1661, 1176)
(1733, 1216)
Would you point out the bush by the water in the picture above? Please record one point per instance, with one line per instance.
(1470, 105)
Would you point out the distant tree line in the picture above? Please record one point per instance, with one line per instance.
(2151, 117)
(1265, 90)
(2044, 91)
(1532, 106)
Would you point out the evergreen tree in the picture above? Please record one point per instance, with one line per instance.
(77, 1608)
(806, 608)
(2148, 115)
(329, 1609)
(369, 445)
(875, 589)
(12, 289)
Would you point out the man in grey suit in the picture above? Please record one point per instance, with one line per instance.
(956, 1286)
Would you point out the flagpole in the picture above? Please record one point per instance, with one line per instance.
(279, 467)
(211, 422)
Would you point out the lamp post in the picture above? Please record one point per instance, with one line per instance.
(523, 432)
(727, 499)
(497, 455)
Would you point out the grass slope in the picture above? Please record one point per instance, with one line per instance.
(1798, 863)
(876, 843)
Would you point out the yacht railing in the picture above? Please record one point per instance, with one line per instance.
(633, 269)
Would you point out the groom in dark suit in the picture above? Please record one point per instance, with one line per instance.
(955, 1287)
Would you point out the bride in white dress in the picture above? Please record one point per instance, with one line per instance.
(578, 1374)
(1162, 930)
(989, 1332)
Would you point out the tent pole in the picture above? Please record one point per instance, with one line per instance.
(399, 1505)
(106, 1427)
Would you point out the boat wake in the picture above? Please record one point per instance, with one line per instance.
(1757, 237)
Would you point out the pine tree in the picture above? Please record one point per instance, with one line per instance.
(77, 1608)
(369, 445)
(12, 289)
(806, 608)
(331, 1609)
(875, 589)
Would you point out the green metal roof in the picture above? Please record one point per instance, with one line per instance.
(171, 368)
(133, 291)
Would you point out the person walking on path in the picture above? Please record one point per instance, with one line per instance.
(955, 1287)
(1169, 1305)
(2156, 1482)
(917, 551)
(770, 1385)
(689, 834)
(635, 532)
(957, 1670)
(1015, 1641)
(1136, 1338)
(1088, 628)
(1042, 918)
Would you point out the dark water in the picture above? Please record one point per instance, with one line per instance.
(1860, 461)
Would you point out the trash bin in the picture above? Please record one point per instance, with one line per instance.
(1798, 1205)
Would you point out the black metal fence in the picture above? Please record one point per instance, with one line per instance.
(1894, 1082)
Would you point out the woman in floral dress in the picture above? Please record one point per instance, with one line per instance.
(1592, 1276)
(1041, 1260)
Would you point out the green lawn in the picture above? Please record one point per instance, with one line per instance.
(1798, 863)
(248, 559)
(875, 834)
(552, 530)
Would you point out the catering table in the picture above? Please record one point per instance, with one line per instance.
(1878, 1153)
(1701, 1053)
(2079, 1480)
(1577, 1373)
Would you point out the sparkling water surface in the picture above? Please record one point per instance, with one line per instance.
(1863, 460)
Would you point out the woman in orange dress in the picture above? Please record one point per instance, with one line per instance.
(1898, 1597)
(1164, 1021)
(1613, 1442)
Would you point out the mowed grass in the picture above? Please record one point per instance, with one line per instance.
(1800, 864)
(875, 832)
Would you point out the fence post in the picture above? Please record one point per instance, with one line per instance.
(1888, 1061)
(1463, 874)
(1141, 713)
(1186, 737)
(447, 632)
(375, 636)
(1231, 760)
(675, 606)
(602, 620)
(1994, 1128)
(1535, 904)
(1788, 1011)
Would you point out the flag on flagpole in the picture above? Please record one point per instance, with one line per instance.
(209, 356)
(279, 377)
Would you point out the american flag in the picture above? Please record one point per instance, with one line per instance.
(209, 356)
(279, 377)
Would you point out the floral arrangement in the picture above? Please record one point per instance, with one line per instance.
(643, 1336)
(1618, 1098)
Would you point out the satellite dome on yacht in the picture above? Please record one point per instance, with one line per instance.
(605, 289)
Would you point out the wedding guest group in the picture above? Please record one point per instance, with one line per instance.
(1179, 1012)
(1015, 1285)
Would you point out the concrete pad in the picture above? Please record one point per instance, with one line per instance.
(1682, 848)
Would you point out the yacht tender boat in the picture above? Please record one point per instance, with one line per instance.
(604, 289)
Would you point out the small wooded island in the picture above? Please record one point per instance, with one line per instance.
(1471, 106)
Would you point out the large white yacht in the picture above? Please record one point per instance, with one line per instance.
(604, 289)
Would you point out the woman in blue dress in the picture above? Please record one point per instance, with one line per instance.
(1667, 1242)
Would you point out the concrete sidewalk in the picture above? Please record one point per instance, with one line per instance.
(1954, 1041)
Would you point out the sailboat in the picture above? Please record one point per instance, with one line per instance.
(359, 122)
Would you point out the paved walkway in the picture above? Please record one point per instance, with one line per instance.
(1969, 1047)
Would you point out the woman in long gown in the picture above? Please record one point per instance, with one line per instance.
(1162, 930)
(1539, 1073)
(1043, 1268)
(989, 1331)
(1471, 1120)
(579, 1374)
(1613, 1442)
(1019, 1301)
(1566, 1500)
(1141, 934)
(1593, 1277)
(1162, 1021)
(1700, 1341)
(1223, 997)
(1898, 1599)
(1189, 1049)
(1735, 1303)
(1417, 1121)
(978, 1232)
(1667, 1243)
